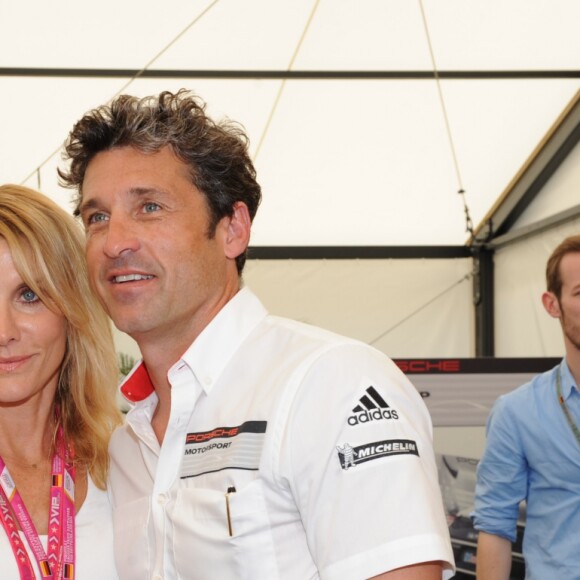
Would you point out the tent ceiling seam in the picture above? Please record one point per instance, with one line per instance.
(561, 138)
(283, 83)
(461, 190)
(257, 74)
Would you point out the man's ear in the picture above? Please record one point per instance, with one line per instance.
(551, 304)
(237, 234)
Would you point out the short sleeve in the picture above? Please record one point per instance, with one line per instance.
(359, 460)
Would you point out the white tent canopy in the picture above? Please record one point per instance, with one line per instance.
(365, 119)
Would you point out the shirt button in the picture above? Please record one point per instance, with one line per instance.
(207, 380)
(161, 500)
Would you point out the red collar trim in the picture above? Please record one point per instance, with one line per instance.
(138, 385)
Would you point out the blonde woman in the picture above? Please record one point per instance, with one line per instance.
(58, 376)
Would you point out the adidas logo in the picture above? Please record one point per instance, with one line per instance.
(371, 407)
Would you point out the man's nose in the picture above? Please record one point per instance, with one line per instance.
(122, 236)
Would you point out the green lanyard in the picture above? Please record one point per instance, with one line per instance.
(564, 408)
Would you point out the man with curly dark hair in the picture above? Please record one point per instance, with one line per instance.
(257, 447)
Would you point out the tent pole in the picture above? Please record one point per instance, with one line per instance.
(483, 288)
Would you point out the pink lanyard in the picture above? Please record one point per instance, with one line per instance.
(58, 564)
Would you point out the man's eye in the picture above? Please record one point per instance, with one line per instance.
(28, 295)
(151, 207)
(96, 217)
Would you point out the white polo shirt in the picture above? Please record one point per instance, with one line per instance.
(291, 452)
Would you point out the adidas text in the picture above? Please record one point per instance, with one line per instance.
(374, 415)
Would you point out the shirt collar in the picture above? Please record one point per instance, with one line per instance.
(137, 384)
(212, 349)
(568, 383)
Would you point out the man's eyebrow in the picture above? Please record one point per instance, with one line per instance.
(138, 191)
(87, 205)
(94, 203)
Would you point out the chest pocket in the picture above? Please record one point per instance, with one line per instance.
(203, 546)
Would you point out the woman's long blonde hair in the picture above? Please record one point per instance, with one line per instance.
(47, 248)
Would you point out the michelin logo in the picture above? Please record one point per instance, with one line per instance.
(347, 453)
(349, 456)
(371, 407)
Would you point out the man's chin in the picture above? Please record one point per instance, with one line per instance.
(573, 337)
(129, 325)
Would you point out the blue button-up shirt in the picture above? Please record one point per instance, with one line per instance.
(532, 454)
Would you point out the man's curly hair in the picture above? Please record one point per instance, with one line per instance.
(216, 153)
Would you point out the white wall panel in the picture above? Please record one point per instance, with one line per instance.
(405, 308)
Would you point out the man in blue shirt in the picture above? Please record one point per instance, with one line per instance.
(533, 451)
